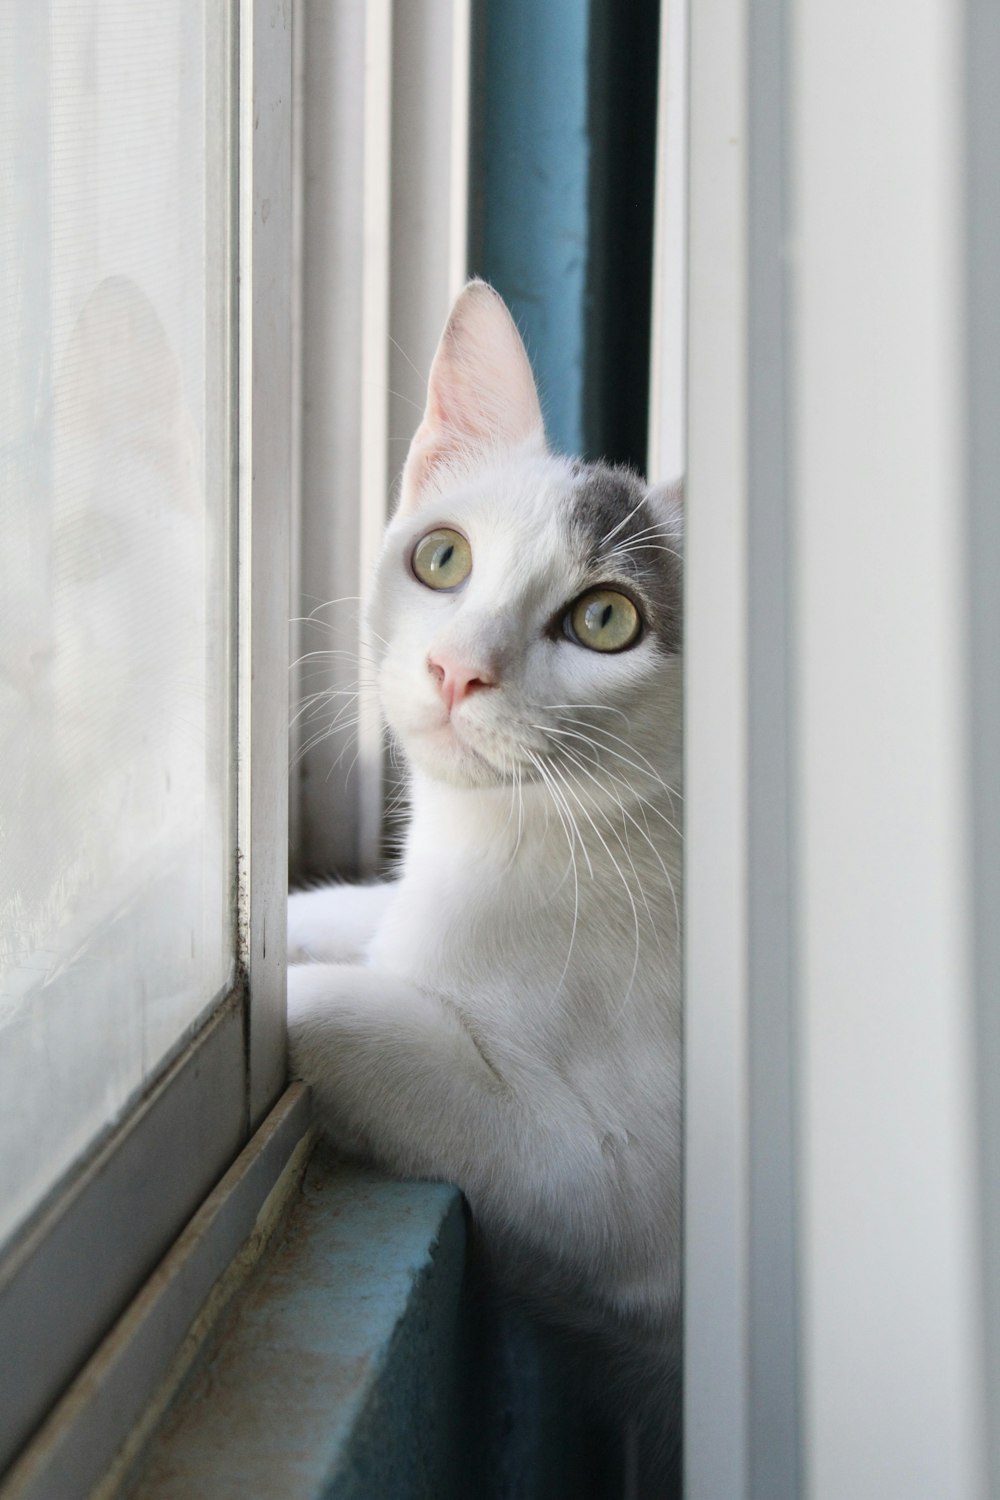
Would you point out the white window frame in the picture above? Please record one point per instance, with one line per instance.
(383, 247)
(842, 820)
(61, 1286)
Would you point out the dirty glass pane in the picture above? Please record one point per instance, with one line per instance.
(115, 501)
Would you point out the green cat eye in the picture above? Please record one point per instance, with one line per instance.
(604, 620)
(442, 559)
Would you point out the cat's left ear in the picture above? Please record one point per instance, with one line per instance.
(481, 395)
(667, 504)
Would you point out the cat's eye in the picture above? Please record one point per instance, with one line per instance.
(442, 559)
(603, 620)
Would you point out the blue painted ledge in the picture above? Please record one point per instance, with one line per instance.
(367, 1360)
(320, 1359)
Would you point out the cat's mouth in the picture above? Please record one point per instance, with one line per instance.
(457, 752)
(457, 738)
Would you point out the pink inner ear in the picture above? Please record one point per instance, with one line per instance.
(429, 450)
(481, 395)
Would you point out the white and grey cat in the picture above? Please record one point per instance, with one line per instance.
(506, 1013)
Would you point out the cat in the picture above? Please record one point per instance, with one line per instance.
(506, 1013)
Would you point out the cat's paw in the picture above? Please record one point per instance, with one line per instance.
(334, 923)
(330, 1008)
(306, 1008)
(320, 1011)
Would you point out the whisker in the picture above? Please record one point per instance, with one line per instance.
(408, 399)
(644, 834)
(647, 765)
(623, 841)
(396, 345)
(606, 707)
(635, 914)
(312, 705)
(324, 651)
(633, 546)
(623, 522)
(654, 526)
(569, 829)
(337, 726)
(644, 770)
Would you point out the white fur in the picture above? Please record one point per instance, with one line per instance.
(335, 923)
(510, 1020)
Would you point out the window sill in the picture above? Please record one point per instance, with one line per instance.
(339, 1372)
(318, 1332)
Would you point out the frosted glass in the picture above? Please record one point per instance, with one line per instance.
(116, 446)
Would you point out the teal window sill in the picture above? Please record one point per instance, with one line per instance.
(365, 1358)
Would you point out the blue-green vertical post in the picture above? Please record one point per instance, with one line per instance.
(564, 121)
(530, 202)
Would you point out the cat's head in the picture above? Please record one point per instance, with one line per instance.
(526, 615)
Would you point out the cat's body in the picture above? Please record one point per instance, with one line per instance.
(506, 1014)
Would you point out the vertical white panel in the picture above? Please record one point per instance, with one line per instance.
(715, 776)
(981, 194)
(430, 168)
(333, 39)
(296, 630)
(385, 135)
(839, 522)
(429, 206)
(891, 1360)
(774, 1408)
(668, 333)
(460, 101)
(375, 269)
(265, 362)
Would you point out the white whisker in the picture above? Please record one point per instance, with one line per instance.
(569, 829)
(635, 913)
(644, 834)
(623, 522)
(644, 770)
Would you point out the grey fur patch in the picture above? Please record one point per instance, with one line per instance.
(632, 534)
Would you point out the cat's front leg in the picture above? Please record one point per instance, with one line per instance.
(335, 923)
(394, 1072)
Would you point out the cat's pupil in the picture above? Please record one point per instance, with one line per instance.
(604, 620)
(442, 559)
(597, 616)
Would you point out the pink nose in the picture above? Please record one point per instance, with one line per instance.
(455, 681)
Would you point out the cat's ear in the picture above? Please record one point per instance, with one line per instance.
(667, 504)
(481, 395)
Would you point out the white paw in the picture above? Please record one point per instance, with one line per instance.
(325, 1004)
(334, 923)
(301, 994)
(311, 1020)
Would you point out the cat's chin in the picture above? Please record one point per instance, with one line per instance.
(448, 757)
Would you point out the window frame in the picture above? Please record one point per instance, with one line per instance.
(60, 1289)
(384, 91)
(841, 809)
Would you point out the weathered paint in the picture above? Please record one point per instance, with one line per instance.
(276, 1410)
(371, 1360)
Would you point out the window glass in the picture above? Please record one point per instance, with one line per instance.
(116, 464)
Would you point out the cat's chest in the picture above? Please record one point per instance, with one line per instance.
(503, 933)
